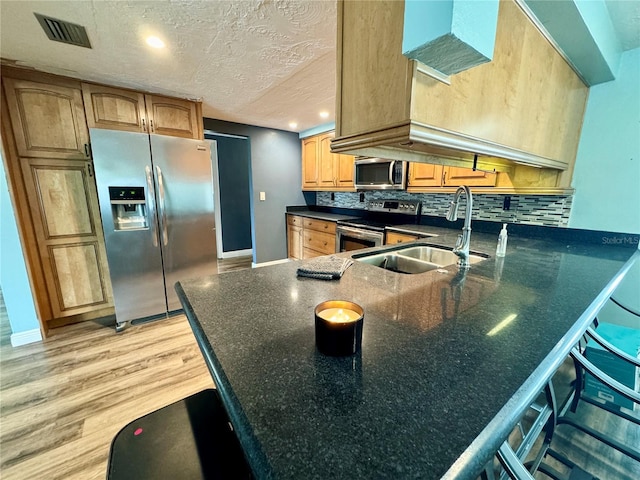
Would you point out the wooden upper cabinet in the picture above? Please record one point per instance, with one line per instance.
(322, 169)
(326, 163)
(48, 120)
(345, 171)
(425, 175)
(310, 163)
(121, 109)
(526, 105)
(456, 176)
(114, 108)
(172, 116)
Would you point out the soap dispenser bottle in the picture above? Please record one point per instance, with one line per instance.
(502, 242)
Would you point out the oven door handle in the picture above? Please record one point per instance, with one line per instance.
(355, 233)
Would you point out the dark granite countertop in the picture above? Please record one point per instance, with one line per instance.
(432, 392)
(332, 217)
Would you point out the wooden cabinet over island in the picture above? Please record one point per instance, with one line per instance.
(521, 110)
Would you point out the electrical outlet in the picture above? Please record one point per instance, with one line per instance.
(333, 196)
(362, 197)
(506, 204)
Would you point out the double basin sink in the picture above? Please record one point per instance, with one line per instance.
(415, 259)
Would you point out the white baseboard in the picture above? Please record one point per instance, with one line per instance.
(26, 337)
(266, 264)
(237, 253)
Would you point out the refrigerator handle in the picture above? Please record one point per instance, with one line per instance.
(163, 215)
(154, 220)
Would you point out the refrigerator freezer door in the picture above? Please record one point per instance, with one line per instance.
(184, 186)
(122, 159)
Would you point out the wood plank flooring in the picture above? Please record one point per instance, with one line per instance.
(63, 400)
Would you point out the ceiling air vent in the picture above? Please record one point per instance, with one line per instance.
(65, 32)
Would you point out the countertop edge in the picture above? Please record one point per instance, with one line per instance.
(485, 445)
(254, 455)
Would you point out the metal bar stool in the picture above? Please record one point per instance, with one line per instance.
(189, 439)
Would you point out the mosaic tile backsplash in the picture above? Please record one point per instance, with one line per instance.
(548, 210)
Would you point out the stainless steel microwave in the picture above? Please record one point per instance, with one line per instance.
(380, 174)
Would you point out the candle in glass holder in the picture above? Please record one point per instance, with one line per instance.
(338, 327)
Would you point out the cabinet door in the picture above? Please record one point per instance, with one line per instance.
(345, 171)
(172, 116)
(114, 109)
(310, 163)
(395, 237)
(294, 242)
(64, 206)
(456, 176)
(48, 120)
(326, 174)
(424, 175)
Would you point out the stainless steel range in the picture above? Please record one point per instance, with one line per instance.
(368, 231)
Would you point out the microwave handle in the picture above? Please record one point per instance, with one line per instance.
(391, 169)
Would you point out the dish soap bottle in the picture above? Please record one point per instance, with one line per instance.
(502, 241)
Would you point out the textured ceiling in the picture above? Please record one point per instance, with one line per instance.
(261, 62)
(257, 62)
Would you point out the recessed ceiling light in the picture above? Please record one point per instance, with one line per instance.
(324, 114)
(155, 42)
(293, 125)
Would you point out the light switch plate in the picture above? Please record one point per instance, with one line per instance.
(263, 196)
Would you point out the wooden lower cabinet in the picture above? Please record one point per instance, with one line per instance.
(294, 237)
(64, 206)
(310, 237)
(392, 238)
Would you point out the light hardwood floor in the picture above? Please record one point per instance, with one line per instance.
(64, 399)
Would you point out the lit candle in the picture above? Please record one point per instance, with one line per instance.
(338, 327)
(339, 315)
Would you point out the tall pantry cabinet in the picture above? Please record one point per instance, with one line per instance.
(51, 170)
(47, 153)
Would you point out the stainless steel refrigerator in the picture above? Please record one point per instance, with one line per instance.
(156, 203)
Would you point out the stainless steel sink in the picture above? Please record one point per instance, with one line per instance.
(398, 263)
(438, 256)
(415, 259)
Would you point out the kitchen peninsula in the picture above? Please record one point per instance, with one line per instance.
(437, 385)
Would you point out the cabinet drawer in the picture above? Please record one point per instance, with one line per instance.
(320, 225)
(395, 237)
(294, 220)
(307, 253)
(319, 241)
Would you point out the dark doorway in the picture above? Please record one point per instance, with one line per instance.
(234, 174)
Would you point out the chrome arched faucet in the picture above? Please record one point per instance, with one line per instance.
(462, 244)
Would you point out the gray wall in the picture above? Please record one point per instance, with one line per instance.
(276, 168)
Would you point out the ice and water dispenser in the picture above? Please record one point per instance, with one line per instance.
(129, 208)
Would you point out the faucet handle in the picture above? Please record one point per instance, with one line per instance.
(459, 242)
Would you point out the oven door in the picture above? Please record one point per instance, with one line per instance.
(350, 238)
